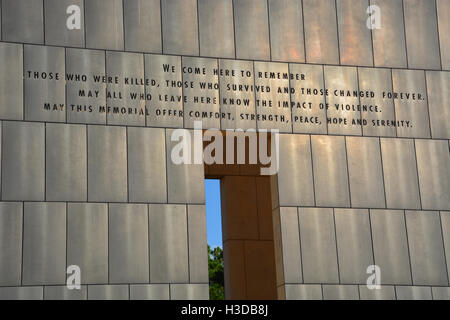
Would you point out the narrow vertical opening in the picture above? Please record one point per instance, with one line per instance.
(242, 207)
(214, 235)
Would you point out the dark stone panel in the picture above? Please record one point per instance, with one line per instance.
(142, 24)
(286, 30)
(11, 81)
(321, 35)
(44, 84)
(355, 40)
(443, 12)
(216, 28)
(104, 24)
(180, 27)
(389, 45)
(251, 30)
(23, 21)
(421, 34)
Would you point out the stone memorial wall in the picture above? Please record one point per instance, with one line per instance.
(87, 115)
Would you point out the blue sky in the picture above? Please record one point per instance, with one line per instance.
(213, 218)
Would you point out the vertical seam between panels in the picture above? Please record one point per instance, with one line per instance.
(290, 101)
(109, 244)
(404, 31)
(369, 2)
(234, 28)
(300, 244)
(188, 243)
(417, 172)
(359, 102)
(337, 32)
(84, 31)
(443, 245)
(2, 124)
(336, 244)
(198, 28)
(348, 172)
(325, 98)
(428, 103)
(409, 251)
(312, 169)
(1, 15)
(45, 161)
(371, 236)
(268, 27)
(87, 163)
(23, 82)
(166, 167)
(65, 84)
(23, 243)
(106, 89)
(43, 20)
(437, 30)
(254, 93)
(161, 25)
(145, 91)
(127, 164)
(123, 24)
(394, 104)
(382, 172)
(148, 242)
(66, 205)
(303, 30)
